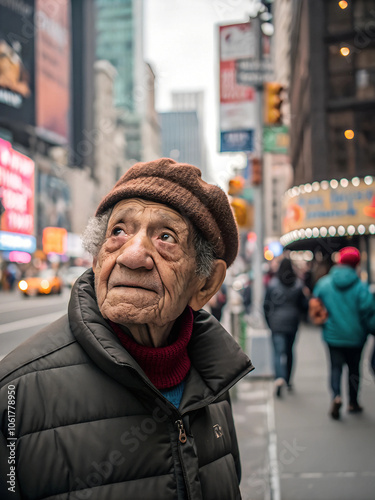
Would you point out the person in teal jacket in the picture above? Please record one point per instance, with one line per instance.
(351, 316)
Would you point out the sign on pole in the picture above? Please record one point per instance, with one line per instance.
(253, 73)
(237, 101)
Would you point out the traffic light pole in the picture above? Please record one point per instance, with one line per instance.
(258, 285)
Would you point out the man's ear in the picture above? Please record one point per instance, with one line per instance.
(94, 262)
(209, 286)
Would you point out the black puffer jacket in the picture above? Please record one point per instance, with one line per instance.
(90, 425)
(284, 306)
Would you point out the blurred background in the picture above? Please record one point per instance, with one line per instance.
(273, 100)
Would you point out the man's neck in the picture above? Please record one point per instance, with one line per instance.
(150, 335)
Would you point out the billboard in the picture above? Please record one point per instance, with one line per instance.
(17, 62)
(237, 102)
(16, 190)
(52, 74)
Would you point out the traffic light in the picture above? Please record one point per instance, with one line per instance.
(236, 185)
(256, 174)
(272, 103)
(240, 210)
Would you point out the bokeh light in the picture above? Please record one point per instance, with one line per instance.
(344, 51)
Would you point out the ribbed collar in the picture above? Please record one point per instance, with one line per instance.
(164, 366)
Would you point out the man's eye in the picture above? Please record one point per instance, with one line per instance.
(168, 238)
(117, 231)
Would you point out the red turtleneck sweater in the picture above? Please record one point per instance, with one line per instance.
(166, 366)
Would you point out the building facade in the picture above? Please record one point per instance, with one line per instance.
(120, 41)
(332, 95)
(180, 136)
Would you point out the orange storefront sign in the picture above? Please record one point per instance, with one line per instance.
(54, 240)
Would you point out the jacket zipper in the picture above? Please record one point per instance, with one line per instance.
(181, 431)
(179, 423)
(183, 438)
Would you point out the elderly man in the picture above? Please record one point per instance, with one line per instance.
(127, 395)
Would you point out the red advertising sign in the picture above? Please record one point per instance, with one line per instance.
(52, 79)
(16, 190)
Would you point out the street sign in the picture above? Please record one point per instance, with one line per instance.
(236, 140)
(237, 102)
(253, 73)
(276, 139)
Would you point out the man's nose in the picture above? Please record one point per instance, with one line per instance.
(136, 253)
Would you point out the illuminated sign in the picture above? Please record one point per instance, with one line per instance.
(17, 63)
(329, 208)
(52, 72)
(17, 190)
(20, 242)
(54, 240)
(20, 257)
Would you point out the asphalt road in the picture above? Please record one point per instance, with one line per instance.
(21, 317)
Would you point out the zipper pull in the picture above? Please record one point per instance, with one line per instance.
(182, 434)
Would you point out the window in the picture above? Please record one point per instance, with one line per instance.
(352, 153)
(341, 157)
(338, 19)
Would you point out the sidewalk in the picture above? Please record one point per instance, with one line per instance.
(290, 448)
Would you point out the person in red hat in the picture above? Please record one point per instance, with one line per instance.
(127, 396)
(350, 311)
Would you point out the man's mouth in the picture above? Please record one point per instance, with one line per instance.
(135, 286)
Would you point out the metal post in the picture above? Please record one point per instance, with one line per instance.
(258, 287)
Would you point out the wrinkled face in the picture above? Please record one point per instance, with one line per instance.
(145, 270)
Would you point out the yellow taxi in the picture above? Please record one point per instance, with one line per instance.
(45, 282)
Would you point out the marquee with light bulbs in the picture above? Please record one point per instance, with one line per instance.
(329, 209)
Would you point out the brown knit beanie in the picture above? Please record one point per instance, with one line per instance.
(181, 187)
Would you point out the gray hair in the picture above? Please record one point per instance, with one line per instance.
(93, 238)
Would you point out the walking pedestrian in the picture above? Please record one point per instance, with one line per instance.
(284, 305)
(218, 301)
(127, 396)
(350, 316)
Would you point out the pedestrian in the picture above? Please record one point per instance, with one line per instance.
(127, 395)
(350, 316)
(218, 301)
(284, 305)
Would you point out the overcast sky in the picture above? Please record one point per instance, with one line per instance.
(182, 47)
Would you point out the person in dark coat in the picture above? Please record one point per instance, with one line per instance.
(284, 304)
(127, 396)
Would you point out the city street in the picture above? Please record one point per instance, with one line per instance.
(290, 448)
(21, 317)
